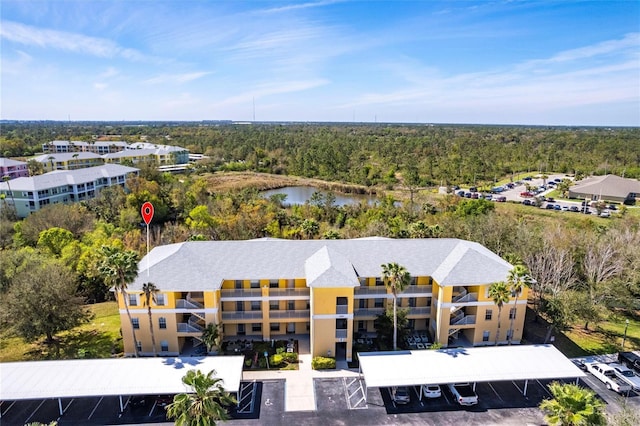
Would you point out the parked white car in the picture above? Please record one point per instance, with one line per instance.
(607, 375)
(463, 393)
(627, 376)
(431, 391)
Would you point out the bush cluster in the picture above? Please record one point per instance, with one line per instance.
(323, 363)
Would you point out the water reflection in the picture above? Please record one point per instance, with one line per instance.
(297, 195)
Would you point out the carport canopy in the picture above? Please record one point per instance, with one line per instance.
(465, 365)
(111, 377)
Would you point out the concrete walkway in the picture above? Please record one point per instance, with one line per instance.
(299, 390)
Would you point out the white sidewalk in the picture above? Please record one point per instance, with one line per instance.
(299, 389)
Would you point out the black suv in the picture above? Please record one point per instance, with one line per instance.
(630, 359)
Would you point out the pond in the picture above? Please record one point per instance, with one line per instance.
(297, 195)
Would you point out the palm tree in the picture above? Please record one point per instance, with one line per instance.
(211, 336)
(572, 405)
(205, 404)
(518, 279)
(149, 291)
(499, 292)
(120, 268)
(396, 278)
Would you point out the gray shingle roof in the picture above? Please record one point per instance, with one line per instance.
(203, 265)
(67, 177)
(609, 185)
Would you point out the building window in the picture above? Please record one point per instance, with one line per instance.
(240, 306)
(412, 302)
(488, 315)
(379, 281)
(274, 305)
(379, 303)
(162, 322)
(485, 336)
(256, 326)
(256, 305)
(255, 283)
(363, 281)
(136, 323)
(411, 324)
(241, 330)
(341, 324)
(361, 326)
(133, 299)
(291, 305)
(362, 304)
(139, 345)
(341, 301)
(274, 284)
(274, 326)
(512, 313)
(414, 281)
(238, 283)
(160, 300)
(164, 346)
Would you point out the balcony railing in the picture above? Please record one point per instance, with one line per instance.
(463, 320)
(184, 327)
(240, 293)
(290, 292)
(423, 310)
(298, 313)
(188, 304)
(341, 334)
(241, 315)
(370, 291)
(370, 312)
(416, 289)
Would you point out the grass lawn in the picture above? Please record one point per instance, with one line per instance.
(604, 338)
(100, 338)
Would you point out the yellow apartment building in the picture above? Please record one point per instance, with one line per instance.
(328, 290)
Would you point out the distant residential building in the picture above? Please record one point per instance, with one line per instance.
(118, 152)
(29, 194)
(13, 169)
(98, 147)
(145, 152)
(607, 188)
(69, 161)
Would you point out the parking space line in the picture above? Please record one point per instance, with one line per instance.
(95, 408)
(494, 391)
(518, 387)
(153, 407)
(35, 411)
(8, 408)
(544, 388)
(67, 407)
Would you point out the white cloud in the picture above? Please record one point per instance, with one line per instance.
(61, 40)
(177, 78)
(300, 6)
(100, 86)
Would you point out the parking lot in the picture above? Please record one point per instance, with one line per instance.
(339, 400)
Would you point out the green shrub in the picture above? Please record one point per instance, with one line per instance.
(262, 362)
(275, 360)
(290, 357)
(323, 363)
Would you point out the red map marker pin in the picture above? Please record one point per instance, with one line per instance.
(147, 212)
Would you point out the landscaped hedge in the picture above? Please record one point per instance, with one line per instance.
(323, 363)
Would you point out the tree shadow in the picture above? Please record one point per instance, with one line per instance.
(76, 345)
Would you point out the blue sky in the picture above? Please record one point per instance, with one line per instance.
(491, 62)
